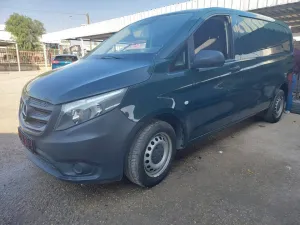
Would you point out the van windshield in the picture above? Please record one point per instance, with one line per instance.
(146, 36)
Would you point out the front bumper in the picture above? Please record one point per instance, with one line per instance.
(90, 152)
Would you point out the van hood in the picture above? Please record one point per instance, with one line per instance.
(88, 77)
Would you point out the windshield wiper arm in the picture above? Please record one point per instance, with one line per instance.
(110, 57)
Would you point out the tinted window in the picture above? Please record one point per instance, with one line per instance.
(65, 58)
(213, 35)
(147, 35)
(260, 38)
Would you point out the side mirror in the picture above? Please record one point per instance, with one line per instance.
(208, 58)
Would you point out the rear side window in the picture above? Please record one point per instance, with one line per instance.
(260, 38)
(68, 58)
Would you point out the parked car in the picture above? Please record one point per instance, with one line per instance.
(63, 60)
(127, 110)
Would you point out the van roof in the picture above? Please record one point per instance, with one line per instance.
(226, 10)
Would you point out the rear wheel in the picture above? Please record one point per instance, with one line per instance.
(276, 109)
(151, 154)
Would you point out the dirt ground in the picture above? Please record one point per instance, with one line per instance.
(247, 174)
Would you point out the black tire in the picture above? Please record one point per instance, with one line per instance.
(274, 113)
(135, 165)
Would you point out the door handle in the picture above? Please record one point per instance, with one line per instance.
(235, 68)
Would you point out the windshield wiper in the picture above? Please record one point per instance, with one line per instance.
(110, 57)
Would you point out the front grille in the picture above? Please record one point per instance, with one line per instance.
(34, 114)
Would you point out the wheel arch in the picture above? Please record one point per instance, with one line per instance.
(175, 119)
(285, 88)
(178, 126)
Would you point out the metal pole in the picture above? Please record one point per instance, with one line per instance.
(298, 87)
(88, 22)
(8, 59)
(87, 18)
(18, 57)
(82, 50)
(45, 56)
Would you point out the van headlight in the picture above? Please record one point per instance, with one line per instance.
(80, 111)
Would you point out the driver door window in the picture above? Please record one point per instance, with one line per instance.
(213, 34)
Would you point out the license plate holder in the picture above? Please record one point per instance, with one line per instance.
(26, 141)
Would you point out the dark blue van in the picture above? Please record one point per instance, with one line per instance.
(153, 88)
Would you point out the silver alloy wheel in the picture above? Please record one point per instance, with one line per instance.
(279, 106)
(157, 155)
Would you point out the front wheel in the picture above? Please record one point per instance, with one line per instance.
(151, 154)
(275, 111)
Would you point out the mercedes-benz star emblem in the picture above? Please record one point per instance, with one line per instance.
(25, 111)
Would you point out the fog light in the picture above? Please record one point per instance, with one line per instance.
(82, 168)
(77, 168)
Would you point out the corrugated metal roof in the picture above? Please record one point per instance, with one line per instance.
(288, 13)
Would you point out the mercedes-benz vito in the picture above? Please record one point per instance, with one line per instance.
(153, 88)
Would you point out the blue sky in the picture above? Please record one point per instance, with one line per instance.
(44, 10)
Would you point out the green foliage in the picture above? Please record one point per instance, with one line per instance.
(25, 31)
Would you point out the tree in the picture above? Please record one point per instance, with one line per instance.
(25, 31)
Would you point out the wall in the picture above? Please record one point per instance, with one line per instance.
(14, 67)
